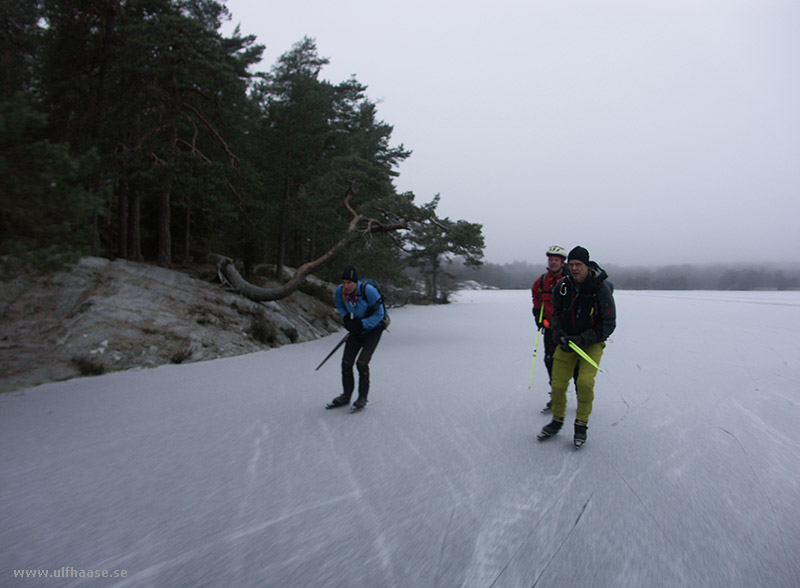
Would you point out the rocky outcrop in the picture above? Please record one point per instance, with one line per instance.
(103, 315)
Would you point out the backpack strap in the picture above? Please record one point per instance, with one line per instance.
(595, 312)
(372, 307)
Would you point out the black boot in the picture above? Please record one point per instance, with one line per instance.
(341, 400)
(580, 433)
(551, 428)
(363, 386)
(548, 408)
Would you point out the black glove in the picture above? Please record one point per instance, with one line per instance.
(563, 342)
(354, 326)
(536, 318)
(585, 339)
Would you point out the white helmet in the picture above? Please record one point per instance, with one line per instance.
(556, 250)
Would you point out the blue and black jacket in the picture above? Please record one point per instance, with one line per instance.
(364, 303)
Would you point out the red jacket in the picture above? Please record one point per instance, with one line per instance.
(542, 293)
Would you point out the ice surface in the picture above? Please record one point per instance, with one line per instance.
(231, 473)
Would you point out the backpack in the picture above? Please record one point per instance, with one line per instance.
(541, 282)
(381, 301)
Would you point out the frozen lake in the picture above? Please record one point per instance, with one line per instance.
(231, 473)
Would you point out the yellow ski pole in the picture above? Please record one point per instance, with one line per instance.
(583, 354)
(536, 346)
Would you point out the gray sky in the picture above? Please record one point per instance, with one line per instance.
(651, 132)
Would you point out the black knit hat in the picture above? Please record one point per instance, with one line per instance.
(350, 273)
(579, 254)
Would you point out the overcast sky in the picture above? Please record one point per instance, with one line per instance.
(649, 131)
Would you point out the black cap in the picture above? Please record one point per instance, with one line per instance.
(579, 254)
(350, 273)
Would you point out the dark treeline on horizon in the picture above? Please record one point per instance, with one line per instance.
(519, 275)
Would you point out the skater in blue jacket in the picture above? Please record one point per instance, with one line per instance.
(360, 306)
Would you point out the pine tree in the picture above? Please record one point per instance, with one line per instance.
(435, 241)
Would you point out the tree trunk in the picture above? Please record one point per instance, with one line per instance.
(187, 258)
(309, 255)
(135, 231)
(358, 225)
(96, 229)
(164, 233)
(122, 221)
(280, 259)
(283, 221)
(433, 295)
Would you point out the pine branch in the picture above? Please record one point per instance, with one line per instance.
(355, 231)
(234, 161)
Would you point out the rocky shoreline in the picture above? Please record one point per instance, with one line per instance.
(101, 316)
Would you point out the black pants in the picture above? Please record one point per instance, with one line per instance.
(550, 345)
(366, 343)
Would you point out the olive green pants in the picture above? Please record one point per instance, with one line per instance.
(563, 369)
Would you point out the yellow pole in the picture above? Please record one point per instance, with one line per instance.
(536, 346)
(583, 354)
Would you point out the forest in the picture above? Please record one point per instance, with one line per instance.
(135, 129)
(728, 276)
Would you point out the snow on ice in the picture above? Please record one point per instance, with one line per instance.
(231, 473)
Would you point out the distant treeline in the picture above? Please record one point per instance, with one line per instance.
(520, 274)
